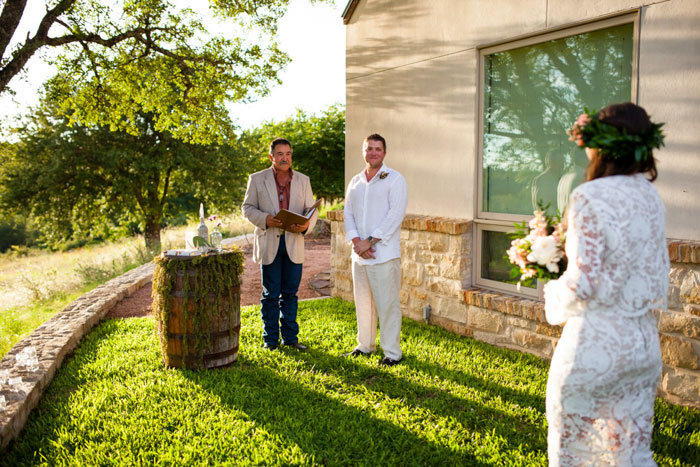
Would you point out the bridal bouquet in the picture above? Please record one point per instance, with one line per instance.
(537, 249)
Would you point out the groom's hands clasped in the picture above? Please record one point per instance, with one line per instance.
(363, 248)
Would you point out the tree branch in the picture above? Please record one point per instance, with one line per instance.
(25, 52)
(165, 186)
(9, 20)
(12, 13)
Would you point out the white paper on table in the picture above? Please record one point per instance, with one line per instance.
(181, 252)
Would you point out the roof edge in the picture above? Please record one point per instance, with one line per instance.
(349, 10)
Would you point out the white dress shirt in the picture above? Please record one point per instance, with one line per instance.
(376, 208)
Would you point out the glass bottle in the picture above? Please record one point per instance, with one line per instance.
(215, 238)
(202, 229)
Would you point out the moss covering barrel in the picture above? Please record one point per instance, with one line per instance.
(197, 308)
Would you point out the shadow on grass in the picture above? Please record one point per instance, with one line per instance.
(330, 410)
(472, 415)
(468, 414)
(418, 335)
(670, 440)
(326, 428)
(675, 449)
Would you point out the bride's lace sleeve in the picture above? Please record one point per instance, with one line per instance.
(585, 246)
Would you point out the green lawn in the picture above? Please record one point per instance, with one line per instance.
(18, 322)
(453, 401)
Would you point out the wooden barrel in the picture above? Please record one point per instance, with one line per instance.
(200, 332)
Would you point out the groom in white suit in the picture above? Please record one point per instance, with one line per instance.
(280, 253)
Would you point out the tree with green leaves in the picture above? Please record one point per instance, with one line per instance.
(319, 147)
(78, 181)
(137, 105)
(123, 58)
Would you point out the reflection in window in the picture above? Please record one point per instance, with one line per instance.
(532, 95)
(494, 263)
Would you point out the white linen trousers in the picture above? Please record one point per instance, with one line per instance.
(376, 291)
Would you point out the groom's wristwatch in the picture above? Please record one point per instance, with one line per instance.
(372, 241)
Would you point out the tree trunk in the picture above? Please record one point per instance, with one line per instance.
(151, 235)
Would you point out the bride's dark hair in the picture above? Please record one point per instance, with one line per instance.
(635, 121)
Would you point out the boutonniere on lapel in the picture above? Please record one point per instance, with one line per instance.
(383, 175)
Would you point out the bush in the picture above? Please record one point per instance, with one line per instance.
(12, 233)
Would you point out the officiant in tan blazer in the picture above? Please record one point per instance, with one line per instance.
(280, 253)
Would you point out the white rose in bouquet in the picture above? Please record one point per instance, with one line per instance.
(546, 252)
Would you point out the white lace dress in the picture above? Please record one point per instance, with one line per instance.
(607, 364)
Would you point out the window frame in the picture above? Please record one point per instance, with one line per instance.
(479, 228)
(503, 222)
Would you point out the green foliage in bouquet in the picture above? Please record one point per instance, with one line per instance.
(200, 241)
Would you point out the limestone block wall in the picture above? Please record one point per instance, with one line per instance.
(341, 268)
(679, 326)
(436, 271)
(435, 268)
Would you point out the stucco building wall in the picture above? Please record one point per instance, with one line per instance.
(412, 76)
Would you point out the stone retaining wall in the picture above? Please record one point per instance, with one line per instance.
(54, 340)
(436, 271)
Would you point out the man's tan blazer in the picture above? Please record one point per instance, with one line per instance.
(261, 200)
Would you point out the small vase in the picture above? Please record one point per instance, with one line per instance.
(215, 238)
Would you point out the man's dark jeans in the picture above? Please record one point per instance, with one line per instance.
(280, 281)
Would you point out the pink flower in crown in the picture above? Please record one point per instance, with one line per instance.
(575, 131)
(212, 218)
(583, 120)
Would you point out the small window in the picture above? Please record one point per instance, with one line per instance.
(492, 243)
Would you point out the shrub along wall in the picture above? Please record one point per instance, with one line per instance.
(436, 271)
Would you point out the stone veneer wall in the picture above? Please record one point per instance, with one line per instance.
(436, 271)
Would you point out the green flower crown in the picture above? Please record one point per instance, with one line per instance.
(589, 131)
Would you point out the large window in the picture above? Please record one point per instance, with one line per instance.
(532, 90)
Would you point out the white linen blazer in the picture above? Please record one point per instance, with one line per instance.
(261, 200)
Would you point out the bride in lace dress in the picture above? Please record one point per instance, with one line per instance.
(606, 366)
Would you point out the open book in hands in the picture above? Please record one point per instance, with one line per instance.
(288, 217)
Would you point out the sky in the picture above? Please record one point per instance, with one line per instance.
(312, 35)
